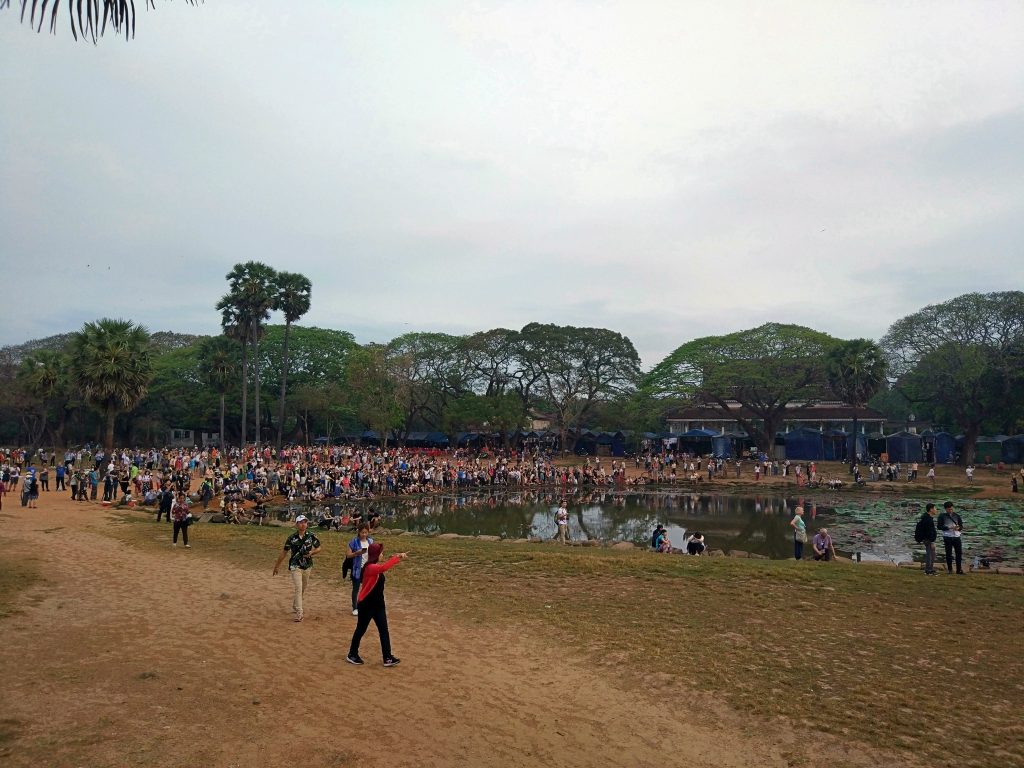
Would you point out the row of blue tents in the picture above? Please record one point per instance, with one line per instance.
(803, 444)
(929, 447)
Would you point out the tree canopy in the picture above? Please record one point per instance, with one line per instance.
(750, 376)
(962, 358)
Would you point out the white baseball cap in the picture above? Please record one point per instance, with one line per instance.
(300, 519)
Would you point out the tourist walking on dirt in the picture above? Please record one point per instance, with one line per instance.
(371, 605)
(925, 534)
(181, 518)
(799, 532)
(300, 547)
(951, 525)
(357, 554)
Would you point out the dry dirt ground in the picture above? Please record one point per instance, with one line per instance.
(116, 656)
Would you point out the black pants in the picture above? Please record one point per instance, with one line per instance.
(181, 525)
(953, 544)
(60, 484)
(45, 483)
(372, 608)
(356, 583)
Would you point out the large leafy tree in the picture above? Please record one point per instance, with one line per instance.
(43, 375)
(962, 357)
(218, 367)
(374, 390)
(856, 373)
(292, 297)
(111, 364)
(317, 360)
(573, 368)
(750, 376)
(427, 370)
(244, 310)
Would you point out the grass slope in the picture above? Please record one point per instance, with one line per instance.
(932, 667)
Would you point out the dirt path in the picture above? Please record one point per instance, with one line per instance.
(127, 657)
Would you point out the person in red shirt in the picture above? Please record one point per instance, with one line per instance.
(371, 604)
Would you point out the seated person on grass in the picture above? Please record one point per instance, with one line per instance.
(823, 547)
(695, 544)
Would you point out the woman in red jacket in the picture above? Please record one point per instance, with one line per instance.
(371, 604)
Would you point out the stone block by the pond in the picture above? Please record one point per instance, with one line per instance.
(1008, 570)
(520, 541)
(590, 543)
(535, 540)
(448, 536)
(883, 563)
(489, 538)
(216, 518)
(623, 545)
(716, 553)
(908, 564)
(738, 553)
(755, 556)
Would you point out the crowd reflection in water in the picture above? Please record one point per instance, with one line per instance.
(755, 524)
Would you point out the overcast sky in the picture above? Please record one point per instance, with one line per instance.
(664, 169)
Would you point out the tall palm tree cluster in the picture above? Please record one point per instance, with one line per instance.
(254, 291)
(111, 363)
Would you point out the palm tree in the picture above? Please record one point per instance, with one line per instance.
(244, 308)
(218, 367)
(235, 323)
(293, 292)
(111, 363)
(856, 372)
(91, 18)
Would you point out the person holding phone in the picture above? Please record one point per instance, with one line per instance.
(951, 525)
(371, 604)
(358, 551)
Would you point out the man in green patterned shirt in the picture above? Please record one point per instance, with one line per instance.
(301, 546)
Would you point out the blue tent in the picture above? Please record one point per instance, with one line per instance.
(939, 447)
(805, 444)
(616, 441)
(1013, 449)
(436, 440)
(727, 445)
(904, 446)
(835, 443)
(698, 441)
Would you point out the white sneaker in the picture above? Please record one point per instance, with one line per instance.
(174, 543)
(188, 546)
(355, 611)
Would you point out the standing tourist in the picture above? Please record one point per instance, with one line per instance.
(358, 550)
(925, 534)
(951, 526)
(371, 605)
(181, 518)
(562, 521)
(799, 532)
(300, 547)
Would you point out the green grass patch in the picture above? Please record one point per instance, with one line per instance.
(881, 656)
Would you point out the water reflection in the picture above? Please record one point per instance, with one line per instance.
(758, 524)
